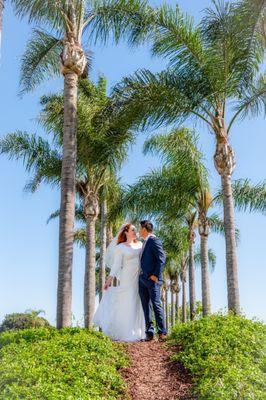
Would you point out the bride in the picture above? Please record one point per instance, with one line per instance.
(120, 314)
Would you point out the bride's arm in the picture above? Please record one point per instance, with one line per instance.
(117, 264)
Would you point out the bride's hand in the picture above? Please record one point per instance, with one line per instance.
(108, 282)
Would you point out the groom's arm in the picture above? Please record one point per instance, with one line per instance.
(159, 256)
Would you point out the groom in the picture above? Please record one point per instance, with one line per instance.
(152, 261)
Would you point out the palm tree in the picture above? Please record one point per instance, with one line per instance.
(248, 197)
(213, 72)
(172, 273)
(203, 257)
(172, 191)
(60, 50)
(206, 223)
(191, 220)
(102, 146)
(183, 276)
(204, 203)
(177, 307)
(42, 56)
(174, 237)
(177, 148)
(103, 245)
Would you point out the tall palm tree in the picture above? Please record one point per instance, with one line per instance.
(103, 244)
(204, 257)
(174, 237)
(58, 48)
(177, 291)
(41, 59)
(204, 203)
(172, 274)
(177, 148)
(172, 191)
(183, 276)
(191, 220)
(212, 76)
(206, 223)
(102, 146)
(111, 219)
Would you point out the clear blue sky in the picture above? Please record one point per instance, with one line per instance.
(29, 247)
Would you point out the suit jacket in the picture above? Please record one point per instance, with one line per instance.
(153, 258)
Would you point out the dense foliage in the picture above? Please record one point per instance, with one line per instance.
(225, 355)
(71, 363)
(28, 319)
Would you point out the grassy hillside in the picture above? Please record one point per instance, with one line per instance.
(72, 363)
(225, 355)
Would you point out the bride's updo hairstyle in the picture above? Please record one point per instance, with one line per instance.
(122, 238)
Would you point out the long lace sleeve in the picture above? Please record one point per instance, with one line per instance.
(118, 261)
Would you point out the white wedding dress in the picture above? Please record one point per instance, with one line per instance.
(120, 314)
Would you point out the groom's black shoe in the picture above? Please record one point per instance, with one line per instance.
(148, 338)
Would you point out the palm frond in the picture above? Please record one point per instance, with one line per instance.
(179, 41)
(179, 148)
(161, 191)
(36, 155)
(249, 197)
(40, 59)
(80, 237)
(216, 224)
(54, 215)
(131, 20)
(211, 258)
(79, 215)
(248, 21)
(252, 102)
(155, 99)
(204, 200)
(49, 12)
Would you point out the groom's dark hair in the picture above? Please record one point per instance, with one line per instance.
(148, 225)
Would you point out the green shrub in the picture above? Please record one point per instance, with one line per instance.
(225, 356)
(69, 364)
(28, 319)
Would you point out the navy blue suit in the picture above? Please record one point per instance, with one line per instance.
(152, 263)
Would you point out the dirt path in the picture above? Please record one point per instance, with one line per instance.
(153, 376)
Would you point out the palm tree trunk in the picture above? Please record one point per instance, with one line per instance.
(224, 160)
(184, 294)
(184, 302)
(230, 241)
(177, 307)
(103, 246)
(163, 297)
(205, 280)
(109, 234)
(166, 309)
(191, 271)
(89, 278)
(67, 205)
(172, 308)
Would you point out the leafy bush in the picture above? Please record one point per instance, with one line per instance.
(29, 319)
(69, 364)
(225, 356)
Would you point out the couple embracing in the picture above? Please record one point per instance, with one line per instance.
(125, 312)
